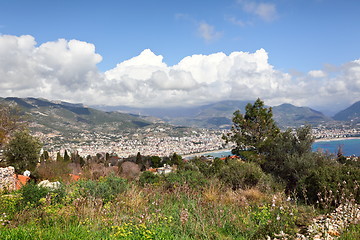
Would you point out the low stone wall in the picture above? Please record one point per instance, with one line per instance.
(7, 179)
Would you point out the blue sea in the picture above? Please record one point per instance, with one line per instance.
(349, 147)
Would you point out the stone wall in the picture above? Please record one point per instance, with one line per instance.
(7, 179)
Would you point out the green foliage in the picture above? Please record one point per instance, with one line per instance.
(241, 175)
(155, 162)
(59, 158)
(66, 157)
(289, 156)
(177, 160)
(254, 129)
(148, 178)
(330, 184)
(193, 179)
(9, 205)
(352, 233)
(32, 193)
(106, 188)
(23, 151)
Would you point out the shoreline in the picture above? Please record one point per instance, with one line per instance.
(335, 139)
(205, 153)
(229, 149)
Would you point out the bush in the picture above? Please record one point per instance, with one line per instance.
(241, 175)
(331, 184)
(53, 171)
(32, 193)
(193, 179)
(106, 188)
(148, 178)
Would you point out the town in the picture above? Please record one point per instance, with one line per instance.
(165, 140)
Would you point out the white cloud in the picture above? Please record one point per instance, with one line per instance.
(208, 32)
(266, 11)
(54, 69)
(67, 70)
(317, 74)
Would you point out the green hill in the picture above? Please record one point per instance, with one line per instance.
(49, 116)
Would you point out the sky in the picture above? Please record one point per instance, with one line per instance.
(165, 53)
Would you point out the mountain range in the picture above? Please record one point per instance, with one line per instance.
(219, 114)
(49, 116)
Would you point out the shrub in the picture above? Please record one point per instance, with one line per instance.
(32, 193)
(331, 184)
(9, 205)
(241, 175)
(106, 188)
(53, 171)
(148, 178)
(193, 179)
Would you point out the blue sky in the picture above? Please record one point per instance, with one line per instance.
(299, 37)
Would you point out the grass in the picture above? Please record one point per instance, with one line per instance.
(153, 212)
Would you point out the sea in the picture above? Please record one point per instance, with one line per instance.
(350, 147)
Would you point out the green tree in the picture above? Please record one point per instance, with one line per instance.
(177, 160)
(254, 129)
(59, 158)
(66, 157)
(290, 157)
(155, 161)
(23, 151)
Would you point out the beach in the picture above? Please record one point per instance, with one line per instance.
(206, 153)
(335, 139)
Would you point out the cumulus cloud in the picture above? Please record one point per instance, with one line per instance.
(208, 32)
(317, 73)
(66, 70)
(265, 11)
(53, 69)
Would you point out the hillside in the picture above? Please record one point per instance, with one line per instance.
(288, 115)
(49, 116)
(351, 113)
(218, 115)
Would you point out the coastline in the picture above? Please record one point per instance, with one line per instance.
(205, 153)
(229, 149)
(335, 139)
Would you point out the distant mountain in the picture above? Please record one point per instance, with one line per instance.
(287, 115)
(219, 114)
(49, 116)
(351, 113)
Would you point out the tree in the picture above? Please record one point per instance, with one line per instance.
(10, 121)
(252, 130)
(155, 161)
(290, 157)
(66, 157)
(59, 158)
(23, 151)
(177, 160)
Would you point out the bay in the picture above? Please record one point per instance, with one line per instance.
(349, 146)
